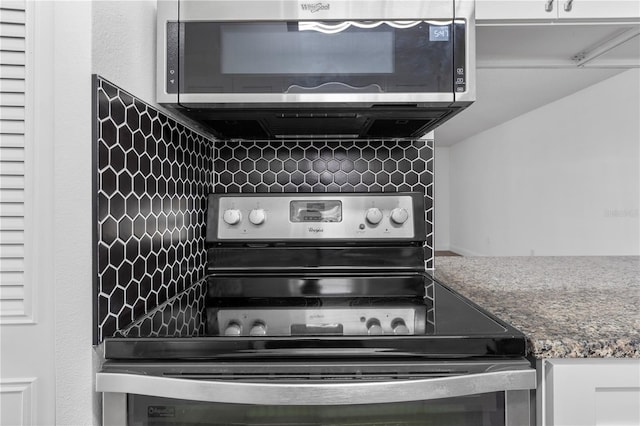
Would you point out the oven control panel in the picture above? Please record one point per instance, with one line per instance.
(320, 216)
(351, 321)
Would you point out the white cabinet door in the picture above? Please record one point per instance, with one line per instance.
(27, 381)
(515, 10)
(585, 392)
(505, 11)
(598, 9)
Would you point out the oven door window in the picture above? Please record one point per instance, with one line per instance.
(315, 57)
(474, 410)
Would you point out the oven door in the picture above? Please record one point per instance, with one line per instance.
(426, 393)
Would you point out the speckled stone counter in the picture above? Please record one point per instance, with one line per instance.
(569, 307)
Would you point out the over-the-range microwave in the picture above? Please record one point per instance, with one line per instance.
(268, 69)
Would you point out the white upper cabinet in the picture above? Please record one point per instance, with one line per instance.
(558, 33)
(598, 9)
(494, 11)
(507, 10)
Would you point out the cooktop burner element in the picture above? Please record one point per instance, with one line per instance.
(320, 275)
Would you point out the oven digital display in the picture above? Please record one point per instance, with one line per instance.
(316, 211)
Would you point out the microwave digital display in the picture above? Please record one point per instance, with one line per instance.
(438, 33)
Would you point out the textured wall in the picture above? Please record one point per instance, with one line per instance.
(562, 180)
(124, 44)
(441, 197)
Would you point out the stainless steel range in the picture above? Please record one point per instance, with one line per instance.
(319, 311)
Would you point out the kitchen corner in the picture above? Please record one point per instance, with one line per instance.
(104, 190)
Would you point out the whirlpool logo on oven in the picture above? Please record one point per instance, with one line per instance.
(161, 411)
(315, 229)
(314, 7)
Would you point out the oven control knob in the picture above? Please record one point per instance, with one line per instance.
(233, 329)
(399, 327)
(399, 215)
(257, 216)
(373, 215)
(374, 327)
(258, 329)
(232, 216)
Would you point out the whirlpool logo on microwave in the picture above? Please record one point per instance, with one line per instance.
(315, 229)
(314, 7)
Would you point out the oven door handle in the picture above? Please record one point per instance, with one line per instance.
(288, 393)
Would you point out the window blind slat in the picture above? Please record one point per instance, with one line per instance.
(11, 71)
(13, 168)
(11, 265)
(11, 141)
(13, 292)
(11, 99)
(12, 58)
(12, 127)
(15, 306)
(9, 279)
(14, 15)
(15, 44)
(12, 237)
(11, 209)
(15, 153)
(12, 30)
(11, 181)
(14, 251)
(10, 85)
(11, 224)
(11, 308)
(12, 195)
(12, 113)
(13, 4)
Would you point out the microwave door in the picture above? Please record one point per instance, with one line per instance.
(366, 62)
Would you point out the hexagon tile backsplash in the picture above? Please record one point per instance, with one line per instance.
(328, 166)
(152, 176)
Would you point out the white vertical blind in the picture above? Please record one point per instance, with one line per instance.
(14, 299)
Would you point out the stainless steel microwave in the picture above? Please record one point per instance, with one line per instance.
(307, 69)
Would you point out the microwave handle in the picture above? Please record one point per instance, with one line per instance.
(287, 393)
(334, 87)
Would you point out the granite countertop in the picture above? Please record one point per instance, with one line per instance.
(569, 307)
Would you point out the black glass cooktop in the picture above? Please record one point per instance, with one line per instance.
(323, 315)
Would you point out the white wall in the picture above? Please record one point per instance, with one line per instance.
(115, 39)
(76, 401)
(441, 201)
(124, 45)
(560, 180)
